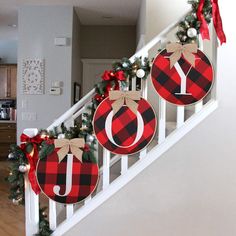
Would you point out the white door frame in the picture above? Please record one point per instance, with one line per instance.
(86, 67)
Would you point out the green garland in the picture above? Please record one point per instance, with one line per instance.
(81, 129)
(17, 187)
(191, 21)
(130, 71)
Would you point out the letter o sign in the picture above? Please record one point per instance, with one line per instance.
(124, 132)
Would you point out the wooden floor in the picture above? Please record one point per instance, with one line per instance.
(11, 216)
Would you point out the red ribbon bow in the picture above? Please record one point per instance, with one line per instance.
(216, 20)
(110, 75)
(32, 158)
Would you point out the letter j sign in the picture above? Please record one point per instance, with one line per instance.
(181, 76)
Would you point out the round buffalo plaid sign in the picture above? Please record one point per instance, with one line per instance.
(183, 83)
(69, 181)
(124, 132)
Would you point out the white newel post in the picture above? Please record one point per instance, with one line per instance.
(31, 200)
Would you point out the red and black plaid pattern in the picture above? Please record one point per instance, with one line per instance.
(167, 81)
(51, 173)
(124, 127)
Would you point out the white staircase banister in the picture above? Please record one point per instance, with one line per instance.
(158, 38)
(140, 53)
(73, 109)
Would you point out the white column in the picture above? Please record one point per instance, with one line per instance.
(31, 210)
(31, 200)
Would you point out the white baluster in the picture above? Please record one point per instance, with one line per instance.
(215, 45)
(106, 168)
(198, 106)
(69, 211)
(144, 89)
(162, 120)
(52, 215)
(134, 83)
(180, 116)
(124, 164)
(31, 210)
(69, 122)
(88, 199)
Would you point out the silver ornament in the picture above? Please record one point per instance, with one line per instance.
(22, 168)
(11, 156)
(15, 201)
(192, 32)
(140, 73)
(89, 138)
(61, 136)
(125, 64)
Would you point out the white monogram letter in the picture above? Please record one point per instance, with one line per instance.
(56, 188)
(108, 129)
(183, 77)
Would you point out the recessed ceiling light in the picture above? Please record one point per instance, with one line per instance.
(12, 25)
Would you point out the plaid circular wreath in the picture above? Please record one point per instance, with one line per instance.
(126, 133)
(52, 178)
(167, 81)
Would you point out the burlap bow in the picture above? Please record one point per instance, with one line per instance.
(178, 49)
(67, 145)
(121, 98)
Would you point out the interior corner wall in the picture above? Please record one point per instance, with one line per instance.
(38, 27)
(107, 42)
(141, 23)
(76, 54)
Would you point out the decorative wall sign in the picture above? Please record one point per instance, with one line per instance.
(182, 75)
(63, 177)
(124, 123)
(33, 76)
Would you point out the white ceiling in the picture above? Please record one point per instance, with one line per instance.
(91, 12)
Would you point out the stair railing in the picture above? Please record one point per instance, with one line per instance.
(108, 186)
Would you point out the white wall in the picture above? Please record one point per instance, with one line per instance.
(191, 190)
(8, 51)
(38, 26)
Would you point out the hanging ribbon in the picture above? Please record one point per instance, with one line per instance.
(178, 50)
(67, 145)
(124, 98)
(32, 158)
(217, 21)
